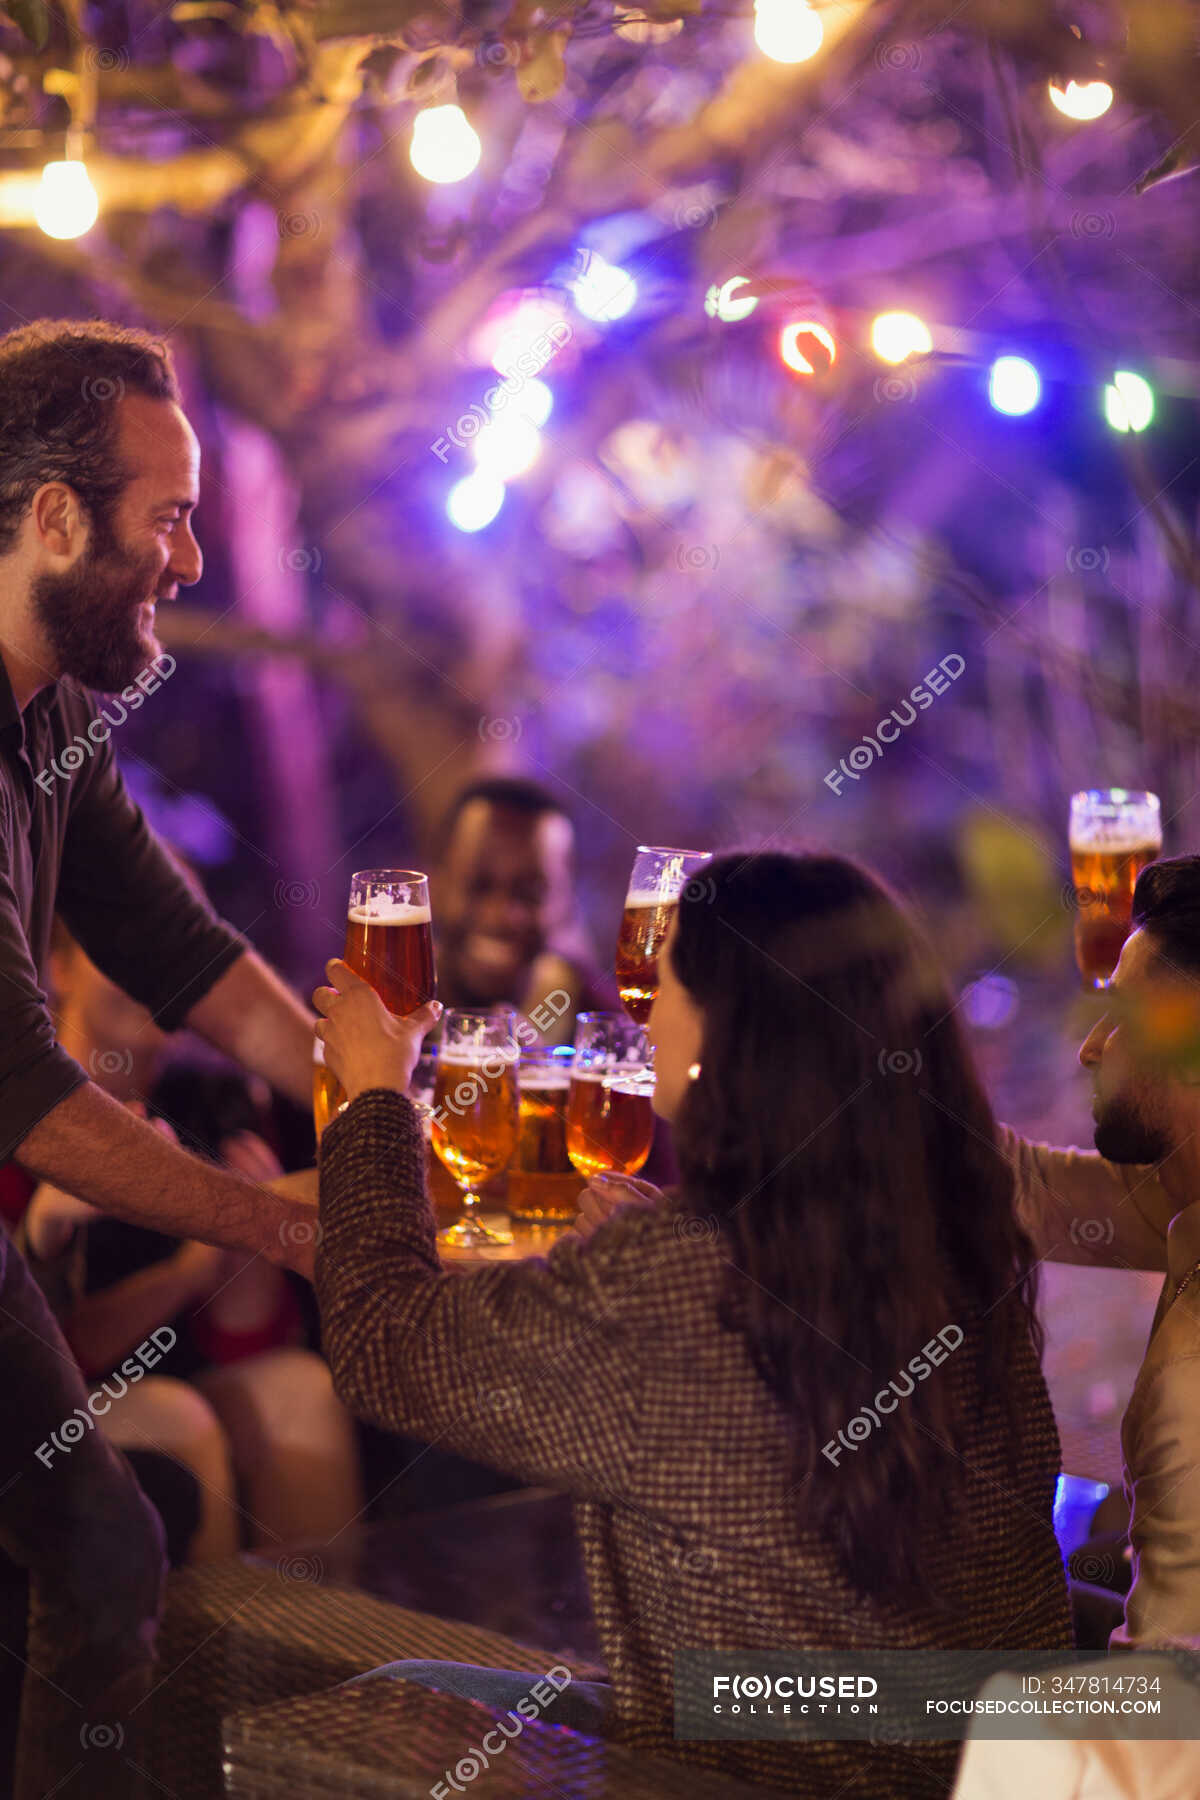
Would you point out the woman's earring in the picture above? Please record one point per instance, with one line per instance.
(694, 1071)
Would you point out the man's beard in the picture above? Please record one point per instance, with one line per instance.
(1124, 1135)
(90, 615)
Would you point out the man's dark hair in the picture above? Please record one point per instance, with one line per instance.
(514, 793)
(1166, 905)
(61, 382)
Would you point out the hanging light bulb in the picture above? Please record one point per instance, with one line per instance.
(508, 446)
(473, 502)
(1128, 401)
(1082, 99)
(445, 146)
(895, 336)
(66, 205)
(788, 31)
(602, 291)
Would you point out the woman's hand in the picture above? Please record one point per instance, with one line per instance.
(605, 1193)
(366, 1046)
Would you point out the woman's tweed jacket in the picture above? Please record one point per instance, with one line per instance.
(602, 1369)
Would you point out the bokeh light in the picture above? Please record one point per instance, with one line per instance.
(602, 291)
(1082, 99)
(507, 446)
(1128, 402)
(1014, 386)
(445, 146)
(803, 340)
(474, 501)
(788, 31)
(897, 335)
(67, 204)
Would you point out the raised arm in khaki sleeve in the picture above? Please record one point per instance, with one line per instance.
(1163, 1451)
(1078, 1208)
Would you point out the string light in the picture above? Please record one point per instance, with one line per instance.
(1128, 402)
(795, 350)
(602, 291)
(66, 204)
(896, 336)
(1082, 99)
(788, 31)
(474, 501)
(1014, 386)
(507, 446)
(445, 146)
(725, 302)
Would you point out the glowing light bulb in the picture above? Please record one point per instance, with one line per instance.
(1082, 99)
(507, 446)
(474, 501)
(66, 205)
(724, 302)
(898, 335)
(795, 351)
(602, 291)
(1014, 386)
(788, 31)
(535, 402)
(1128, 402)
(445, 146)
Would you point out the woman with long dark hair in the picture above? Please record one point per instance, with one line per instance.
(798, 1399)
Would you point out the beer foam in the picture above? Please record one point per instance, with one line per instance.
(545, 1081)
(649, 897)
(383, 910)
(475, 1059)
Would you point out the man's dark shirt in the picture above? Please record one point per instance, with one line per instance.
(76, 844)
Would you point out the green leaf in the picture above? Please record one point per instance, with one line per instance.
(32, 17)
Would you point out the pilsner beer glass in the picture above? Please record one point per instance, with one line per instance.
(659, 877)
(1114, 833)
(543, 1187)
(610, 1120)
(475, 1112)
(389, 942)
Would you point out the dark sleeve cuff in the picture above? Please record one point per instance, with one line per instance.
(27, 1095)
(372, 1182)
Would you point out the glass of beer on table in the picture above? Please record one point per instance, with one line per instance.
(1114, 833)
(610, 1120)
(389, 942)
(543, 1187)
(659, 876)
(475, 1112)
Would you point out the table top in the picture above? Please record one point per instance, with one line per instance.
(528, 1240)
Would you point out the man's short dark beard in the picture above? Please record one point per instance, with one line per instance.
(89, 615)
(1123, 1136)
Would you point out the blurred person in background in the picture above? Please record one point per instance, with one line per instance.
(238, 1399)
(506, 910)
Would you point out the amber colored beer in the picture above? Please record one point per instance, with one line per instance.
(1114, 833)
(543, 1185)
(644, 926)
(474, 1123)
(329, 1097)
(610, 1123)
(390, 944)
(1104, 882)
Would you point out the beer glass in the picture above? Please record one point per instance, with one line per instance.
(389, 942)
(543, 1188)
(1114, 833)
(475, 1112)
(610, 1120)
(659, 877)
